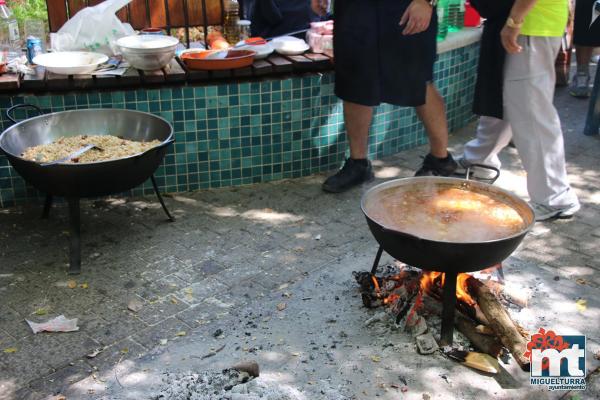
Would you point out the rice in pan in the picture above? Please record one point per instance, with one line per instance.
(112, 147)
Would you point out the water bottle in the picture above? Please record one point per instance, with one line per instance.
(456, 15)
(10, 39)
(442, 12)
(230, 24)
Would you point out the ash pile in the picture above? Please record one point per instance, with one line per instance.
(240, 382)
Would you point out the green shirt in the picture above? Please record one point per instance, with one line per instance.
(547, 18)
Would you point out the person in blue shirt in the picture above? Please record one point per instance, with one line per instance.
(278, 17)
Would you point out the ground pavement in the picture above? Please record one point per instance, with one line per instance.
(264, 272)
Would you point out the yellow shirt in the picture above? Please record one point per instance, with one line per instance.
(547, 18)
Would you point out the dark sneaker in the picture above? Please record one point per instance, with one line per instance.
(352, 173)
(433, 166)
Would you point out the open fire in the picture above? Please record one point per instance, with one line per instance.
(408, 294)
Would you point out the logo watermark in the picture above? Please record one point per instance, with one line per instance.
(557, 361)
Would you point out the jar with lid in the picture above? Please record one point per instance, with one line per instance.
(244, 29)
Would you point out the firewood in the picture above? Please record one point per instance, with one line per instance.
(484, 330)
(511, 294)
(483, 343)
(500, 321)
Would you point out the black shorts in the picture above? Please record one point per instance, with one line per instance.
(584, 34)
(374, 62)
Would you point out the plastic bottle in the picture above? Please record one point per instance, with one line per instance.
(10, 40)
(456, 15)
(230, 25)
(442, 12)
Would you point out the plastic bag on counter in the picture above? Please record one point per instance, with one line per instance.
(93, 29)
(320, 37)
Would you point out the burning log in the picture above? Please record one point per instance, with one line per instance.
(500, 321)
(483, 343)
(511, 294)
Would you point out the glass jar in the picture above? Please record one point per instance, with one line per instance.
(244, 29)
(230, 25)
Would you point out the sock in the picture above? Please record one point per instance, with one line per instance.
(361, 161)
(583, 69)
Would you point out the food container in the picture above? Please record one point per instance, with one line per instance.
(233, 60)
(148, 52)
(289, 45)
(70, 62)
(244, 27)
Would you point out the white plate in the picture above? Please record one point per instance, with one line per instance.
(70, 62)
(262, 50)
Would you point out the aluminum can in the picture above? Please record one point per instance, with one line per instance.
(34, 47)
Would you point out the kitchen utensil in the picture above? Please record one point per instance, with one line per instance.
(70, 62)
(446, 256)
(148, 52)
(234, 59)
(73, 155)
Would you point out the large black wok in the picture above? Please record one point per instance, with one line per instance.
(448, 257)
(89, 179)
(77, 180)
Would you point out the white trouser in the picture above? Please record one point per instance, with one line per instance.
(531, 120)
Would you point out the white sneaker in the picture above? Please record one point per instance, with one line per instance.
(476, 172)
(543, 212)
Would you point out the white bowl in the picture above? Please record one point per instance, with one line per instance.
(290, 47)
(70, 62)
(148, 52)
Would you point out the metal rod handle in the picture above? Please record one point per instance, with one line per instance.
(13, 108)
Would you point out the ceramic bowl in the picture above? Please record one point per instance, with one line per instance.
(148, 52)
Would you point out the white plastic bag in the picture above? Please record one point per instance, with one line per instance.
(93, 29)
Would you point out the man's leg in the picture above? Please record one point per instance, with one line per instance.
(492, 136)
(357, 119)
(357, 169)
(529, 80)
(433, 117)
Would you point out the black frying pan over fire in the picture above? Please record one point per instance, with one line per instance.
(446, 256)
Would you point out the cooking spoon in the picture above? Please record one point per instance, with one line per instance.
(220, 54)
(73, 155)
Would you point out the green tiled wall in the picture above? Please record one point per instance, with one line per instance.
(248, 132)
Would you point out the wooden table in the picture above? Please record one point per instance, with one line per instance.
(174, 73)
